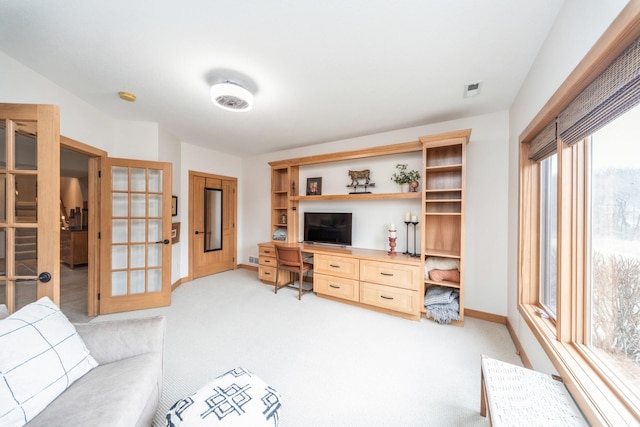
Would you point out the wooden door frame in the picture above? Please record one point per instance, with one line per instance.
(192, 229)
(93, 223)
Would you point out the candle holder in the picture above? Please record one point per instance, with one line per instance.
(392, 246)
(407, 241)
(415, 225)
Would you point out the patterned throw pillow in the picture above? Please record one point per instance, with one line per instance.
(41, 355)
(236, 398)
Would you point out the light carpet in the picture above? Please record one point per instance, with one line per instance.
(334, 364)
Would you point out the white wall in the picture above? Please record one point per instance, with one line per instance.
(487, 184)
(579, 25)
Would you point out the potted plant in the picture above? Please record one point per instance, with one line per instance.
(407, 179)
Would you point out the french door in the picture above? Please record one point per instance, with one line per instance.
(29, 206)
(135, 235)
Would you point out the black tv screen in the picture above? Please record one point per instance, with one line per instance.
(327, 227)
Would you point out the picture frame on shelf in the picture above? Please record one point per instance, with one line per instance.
(174, 205)
(314, 186)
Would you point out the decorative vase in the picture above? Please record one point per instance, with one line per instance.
(414, 186)
(404, 187)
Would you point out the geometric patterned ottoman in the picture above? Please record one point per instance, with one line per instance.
(236, 398)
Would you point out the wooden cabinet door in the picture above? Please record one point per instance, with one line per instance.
(135, 235)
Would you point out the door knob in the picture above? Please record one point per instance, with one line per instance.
(198, 232)
(44, 277)
(165, 241)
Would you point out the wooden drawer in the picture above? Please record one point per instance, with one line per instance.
(338, 287)
(268, 261)
(336, 266)
(389, 297)
(386, 273)
(266, 251)
(267, 274)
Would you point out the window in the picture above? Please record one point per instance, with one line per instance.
(579, 227)
(548, 234)
(614, 249)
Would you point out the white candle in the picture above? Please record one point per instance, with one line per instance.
(392, 227)
(407, 217)
(414, 218)
(392, 234)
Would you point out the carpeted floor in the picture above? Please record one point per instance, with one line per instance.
(334, 364)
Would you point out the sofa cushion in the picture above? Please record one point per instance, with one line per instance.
(41, 355)
(111, 395)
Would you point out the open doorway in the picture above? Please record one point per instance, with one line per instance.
(74, 233)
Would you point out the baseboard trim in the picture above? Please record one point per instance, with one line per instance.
(490, 317)
(248, 267)
(519, 349)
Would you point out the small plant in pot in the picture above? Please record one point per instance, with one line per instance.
(408, 180)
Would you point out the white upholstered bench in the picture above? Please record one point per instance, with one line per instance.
(516, 396)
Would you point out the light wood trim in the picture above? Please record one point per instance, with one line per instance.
(372, 196)
(489, 317)
(519, 349)
(444, 138)
(81, 147)
(384, 150)
(94, 226)
(624, 29)
(48, 152)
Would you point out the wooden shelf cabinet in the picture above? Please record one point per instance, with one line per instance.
(443, 203)
(284, 218)
(74, 247)
(371, 279)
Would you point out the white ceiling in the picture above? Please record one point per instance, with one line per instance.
(320, 70)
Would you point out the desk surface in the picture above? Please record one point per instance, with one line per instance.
(351, 252)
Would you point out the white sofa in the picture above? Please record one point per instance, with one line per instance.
(124, 389)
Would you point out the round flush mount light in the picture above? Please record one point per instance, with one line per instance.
(231, 96)
(127, 96)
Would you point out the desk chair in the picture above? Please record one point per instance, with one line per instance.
(289, 258)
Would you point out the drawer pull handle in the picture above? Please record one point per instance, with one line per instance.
(334, 286)
(387, 274)
(267, 252)
(266, 273)
(382, 296)
(334, 266)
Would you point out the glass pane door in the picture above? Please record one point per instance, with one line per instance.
(136, 195)
(30, 187)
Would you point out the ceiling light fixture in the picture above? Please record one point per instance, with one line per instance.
(231, 96)
(127, 96)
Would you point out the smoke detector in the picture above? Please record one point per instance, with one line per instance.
(231, 96)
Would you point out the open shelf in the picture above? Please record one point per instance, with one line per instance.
(370, 196)
(442, 283)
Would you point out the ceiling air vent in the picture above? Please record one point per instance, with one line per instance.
(472, 89)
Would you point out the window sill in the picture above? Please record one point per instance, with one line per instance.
(599, 403)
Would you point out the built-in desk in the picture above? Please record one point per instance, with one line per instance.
(368, 278)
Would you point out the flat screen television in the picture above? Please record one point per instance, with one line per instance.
(328, 227)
